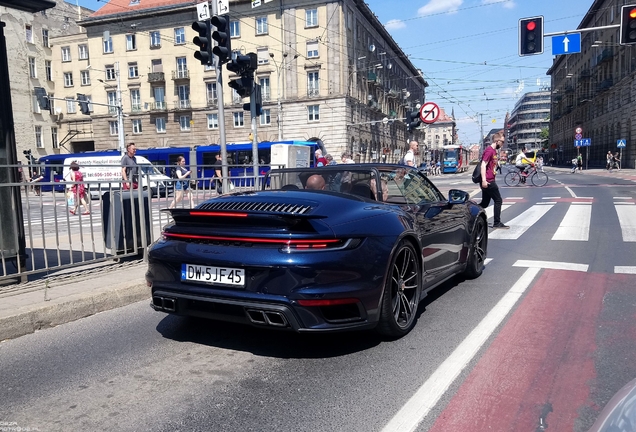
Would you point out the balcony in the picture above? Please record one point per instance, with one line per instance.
(586, 74)
(237, 100)
(158, 106)
(181, 74)
(182, 104)
(569, 88)
(313, 92)
(606, 55)
(392, 94)
(212, 102)
(266, 95)
(156, 77)
(605, 84)
(135, 109)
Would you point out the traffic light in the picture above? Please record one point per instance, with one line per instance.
(258, 101)
(628, 25)
(412, 120)
(203, 41)
(83, 103)
(243, 63)
(243, 85)
(531, 36)
(221, 35)
(43, 98)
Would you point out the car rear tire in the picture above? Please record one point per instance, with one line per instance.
(401, 295)
(478, 249)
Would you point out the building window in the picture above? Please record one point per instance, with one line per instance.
(262, 54)
(261, 25)
(86, 77)
(54, 142)
(136, 126)
(313, 84)
(68, 79)
(313, 112)
(45, 38)
(36, 104)
(133, 70)
(70, 106)
(311, 18)
(312, 49)
(179, 36)
(114, 127)
(238, 119)
(182, 67)
(131, 42)
(33, 73)
(160, 124)
(83, 51)
(111, 96)
(155, 39)
(235, 28)
(265, 89)
(135, 100)
(213, 121)
(160, 97)
(47, 70)
(211, 93)
(184, 123)
(110, 72)
(38, 137)
(66, 54)
(29, 33)
(266, 118)
(108, 45)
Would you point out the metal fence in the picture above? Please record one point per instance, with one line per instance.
(116, 224)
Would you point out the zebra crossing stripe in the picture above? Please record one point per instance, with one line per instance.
(627, 219)
(490, 211)
(625, 269)
(575, 225)
(521, 223)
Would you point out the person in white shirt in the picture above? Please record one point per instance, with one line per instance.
(346, 158)
(521, 162)
(409, 157)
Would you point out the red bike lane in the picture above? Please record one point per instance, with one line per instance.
(564, 351)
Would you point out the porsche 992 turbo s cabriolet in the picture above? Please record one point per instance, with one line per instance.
(334, 248)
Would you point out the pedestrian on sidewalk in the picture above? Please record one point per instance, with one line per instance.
(130, 168)
(78, 189)
(409, 157)
(610, 161)
(617, 161)
(182, 185)
(579, 162)
(320, 160)
(489, 188)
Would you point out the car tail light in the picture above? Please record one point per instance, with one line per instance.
(217, 214)
(327, 302)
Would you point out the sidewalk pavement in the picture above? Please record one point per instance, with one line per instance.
(67, 296)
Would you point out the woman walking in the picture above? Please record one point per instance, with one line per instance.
(78, 189)
(182, 184)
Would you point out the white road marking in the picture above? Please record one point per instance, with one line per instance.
(623, 197)
(627, 219)
(425, 398)
(624, 203)
(625, 269)
(490, 211)
(581, 202)
(487, 261)
(554, 265)
(550, 198)
(546, 202)
(575, 225)
(514, 198)
(521, 223)
(571, 192)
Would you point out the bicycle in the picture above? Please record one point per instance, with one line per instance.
(538, 178)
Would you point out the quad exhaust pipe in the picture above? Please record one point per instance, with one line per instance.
(165, 304)
(265, 317)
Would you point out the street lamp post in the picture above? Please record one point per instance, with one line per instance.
(279, 68)
(121, 146)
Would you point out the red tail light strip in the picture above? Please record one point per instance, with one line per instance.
(325, 302)
(226, 214)
(296, 243)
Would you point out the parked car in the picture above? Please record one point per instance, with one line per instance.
(344, 255)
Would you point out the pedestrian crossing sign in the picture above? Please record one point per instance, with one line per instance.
(621, 143)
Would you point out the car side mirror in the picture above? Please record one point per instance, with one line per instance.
(456, 196)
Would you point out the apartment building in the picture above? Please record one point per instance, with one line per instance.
(595, 90)
(28, 38)
(328, 70)
(530, 115)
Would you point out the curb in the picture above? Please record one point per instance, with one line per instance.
(70, 309)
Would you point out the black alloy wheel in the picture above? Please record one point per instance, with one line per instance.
(478, 250)
(401, 293)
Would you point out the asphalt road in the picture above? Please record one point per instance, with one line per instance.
(558, 351)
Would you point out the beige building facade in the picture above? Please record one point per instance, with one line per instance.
(328, 70)
(595, 91)
(28, 37)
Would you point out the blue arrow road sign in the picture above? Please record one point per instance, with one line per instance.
(621, 143)
(566, 44)
(578, 143)
(586, 142)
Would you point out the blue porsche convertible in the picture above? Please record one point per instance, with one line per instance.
(334, 248)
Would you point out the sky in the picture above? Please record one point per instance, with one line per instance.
(468, 51)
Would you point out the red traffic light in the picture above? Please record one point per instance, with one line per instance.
(531, 25)
(632, 13)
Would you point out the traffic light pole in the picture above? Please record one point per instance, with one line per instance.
(218, 66)
(255, 90)
(120, 113)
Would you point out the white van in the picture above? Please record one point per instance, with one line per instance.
(100, 171)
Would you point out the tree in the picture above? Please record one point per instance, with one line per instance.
(544, 136)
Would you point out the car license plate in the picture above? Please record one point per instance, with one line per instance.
(213, 275)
